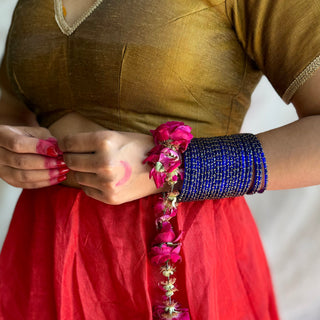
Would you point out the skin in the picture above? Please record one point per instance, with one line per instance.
(75, 9)
(97, 159)
(293, 151)
(27, 158)
(96, 155)
(127, 174)
(46, 148)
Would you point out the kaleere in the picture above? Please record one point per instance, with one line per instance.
(171, 140)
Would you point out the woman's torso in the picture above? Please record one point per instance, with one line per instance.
(130, 66)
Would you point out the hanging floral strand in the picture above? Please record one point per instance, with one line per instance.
(171, 140)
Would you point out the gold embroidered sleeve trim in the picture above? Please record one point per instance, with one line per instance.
(301, 79)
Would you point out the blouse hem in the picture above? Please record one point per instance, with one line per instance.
(306, 74)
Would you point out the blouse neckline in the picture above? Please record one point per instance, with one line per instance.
(62, 23)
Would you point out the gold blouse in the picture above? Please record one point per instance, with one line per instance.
(131, 65)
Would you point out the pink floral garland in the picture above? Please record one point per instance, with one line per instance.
(171, 140)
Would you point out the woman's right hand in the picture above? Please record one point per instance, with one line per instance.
(30, 157)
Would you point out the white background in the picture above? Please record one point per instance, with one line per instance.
(289, 221)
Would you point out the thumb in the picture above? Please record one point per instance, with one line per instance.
(29, 140)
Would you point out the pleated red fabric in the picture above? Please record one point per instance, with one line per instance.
(70, 257)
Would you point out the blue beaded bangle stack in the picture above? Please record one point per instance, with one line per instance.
(223, 167)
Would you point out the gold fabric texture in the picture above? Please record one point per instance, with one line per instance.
(131, 65)
(282, 37)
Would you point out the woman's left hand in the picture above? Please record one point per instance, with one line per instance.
(108, 164)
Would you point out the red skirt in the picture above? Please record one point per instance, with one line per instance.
(70, 257)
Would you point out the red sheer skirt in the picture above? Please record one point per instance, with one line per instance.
(70, 257)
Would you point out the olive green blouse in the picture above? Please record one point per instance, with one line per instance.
(131, 65)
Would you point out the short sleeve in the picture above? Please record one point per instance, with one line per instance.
(282, 37)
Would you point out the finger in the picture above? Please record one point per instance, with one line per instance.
(85, 142)
(33, 178)
(90, 180)
(42, 184)
(32, 175)
(102, 196)
(15, 140)
(29, 161)
(87, 162)
(47, 144)
(96, 188)
(94, 193)
(48, 147)
(35, 132)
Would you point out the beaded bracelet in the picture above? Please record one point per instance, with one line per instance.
(171, 139)
(222, 167)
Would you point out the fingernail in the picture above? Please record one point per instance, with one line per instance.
(52, 152)
(54, 141)
(61, 163)
(61, 178)
(57, 180)
(47, 148)
(63, 171)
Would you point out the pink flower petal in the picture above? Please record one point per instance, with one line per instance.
(159, 177)
(177, 131)
(160, 254)
(166, 234)
(164, 237)
(159, 207)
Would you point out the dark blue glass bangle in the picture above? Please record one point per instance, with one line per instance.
(223, 167)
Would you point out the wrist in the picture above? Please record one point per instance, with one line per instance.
(223, 167)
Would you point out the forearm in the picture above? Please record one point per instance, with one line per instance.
(230, 166)
(292, 153)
